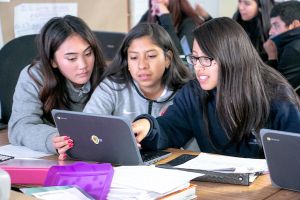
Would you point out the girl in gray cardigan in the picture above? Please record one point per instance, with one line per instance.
(143, 77)
(69, 66)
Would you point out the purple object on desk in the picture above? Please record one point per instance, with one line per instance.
(95, 179)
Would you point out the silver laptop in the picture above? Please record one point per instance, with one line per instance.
(282, 150)
(102, 139)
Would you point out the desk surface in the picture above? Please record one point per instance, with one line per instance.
(261, 188)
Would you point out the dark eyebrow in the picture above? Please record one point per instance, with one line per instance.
(88, 48)
(72, 53)
(150, 50)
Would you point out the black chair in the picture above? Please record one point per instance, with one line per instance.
(297, 90)
(109, 42)
(14, 56)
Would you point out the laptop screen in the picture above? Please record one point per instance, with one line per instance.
(185, 45)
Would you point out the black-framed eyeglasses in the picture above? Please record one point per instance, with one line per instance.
(205, 61)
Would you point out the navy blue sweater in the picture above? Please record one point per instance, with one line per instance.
(184, 120)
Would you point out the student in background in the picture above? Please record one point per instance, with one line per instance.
(68, 69)
(234, 96)
(143, 78)
(253, 16)
(177, 17)
(284, 48)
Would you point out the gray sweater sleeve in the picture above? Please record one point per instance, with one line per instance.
(26, 126)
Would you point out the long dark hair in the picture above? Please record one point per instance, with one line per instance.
(246, 85)
(174, 77)
(53, 93)
(179, 9)
(263, 22)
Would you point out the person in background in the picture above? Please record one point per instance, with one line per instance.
(254, 17)
(177, 17)
(143, 78)
(283, 48)
(64, 75)
(234, 96)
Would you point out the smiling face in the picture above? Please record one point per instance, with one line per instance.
(206, 76)
(147, 63)
(75, 60)
(248, 9)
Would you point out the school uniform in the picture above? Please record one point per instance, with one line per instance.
(184, 120)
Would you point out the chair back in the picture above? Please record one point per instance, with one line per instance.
(297, 90)
(14, 56)
(109, 43)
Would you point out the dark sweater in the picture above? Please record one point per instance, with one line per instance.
(256, 34)
(184, 120)
(288, 50)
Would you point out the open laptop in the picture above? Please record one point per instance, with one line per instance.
(282, 154)
(102, 139)
(185, 46)
(186, 51)
(109, 43)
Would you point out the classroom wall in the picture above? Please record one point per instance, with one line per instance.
(105, 15)
(111, 15)
(227, 7)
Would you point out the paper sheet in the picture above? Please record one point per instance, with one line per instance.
(30, 17)
(225, 163)
(150, 178)
(21, 152)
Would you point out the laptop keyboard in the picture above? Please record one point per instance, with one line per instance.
(150, 157)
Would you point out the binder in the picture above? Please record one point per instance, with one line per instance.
(217, 177)
(211, 176)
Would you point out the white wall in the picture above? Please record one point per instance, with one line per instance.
(137, 9)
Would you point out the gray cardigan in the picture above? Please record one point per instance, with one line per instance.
(26, 126)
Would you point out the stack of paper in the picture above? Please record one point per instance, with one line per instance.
(148, 182)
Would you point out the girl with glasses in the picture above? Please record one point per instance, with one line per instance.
(233, 97)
